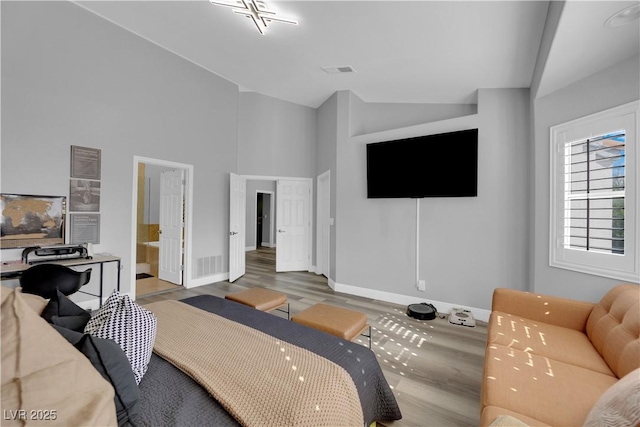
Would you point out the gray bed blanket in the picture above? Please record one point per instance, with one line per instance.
(170, 398)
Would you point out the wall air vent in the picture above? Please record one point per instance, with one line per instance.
(341, 69)
(207, 266)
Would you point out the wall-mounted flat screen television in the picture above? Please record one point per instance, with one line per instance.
(29, 220)
(441, 165)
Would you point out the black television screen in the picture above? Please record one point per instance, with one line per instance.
(442, 165)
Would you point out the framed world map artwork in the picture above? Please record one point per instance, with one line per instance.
(29, 220)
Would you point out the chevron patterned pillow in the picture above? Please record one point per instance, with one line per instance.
(128, 324)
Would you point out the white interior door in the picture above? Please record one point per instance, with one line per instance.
(171, 226)
(293, 223)
(237, 214)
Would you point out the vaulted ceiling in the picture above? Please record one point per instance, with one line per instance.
(401, 51)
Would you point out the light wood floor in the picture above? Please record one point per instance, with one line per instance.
(434, 368)
(152, 285)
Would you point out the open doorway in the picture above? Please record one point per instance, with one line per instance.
(265, 219)
(260, 214)
(289, 224)
(160, 241)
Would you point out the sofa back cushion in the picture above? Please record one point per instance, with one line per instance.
(614, 328)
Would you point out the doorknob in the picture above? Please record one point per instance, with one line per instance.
(233, 233)
(280, 231)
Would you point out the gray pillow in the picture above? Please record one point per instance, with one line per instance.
(111, 362)
(63, 312)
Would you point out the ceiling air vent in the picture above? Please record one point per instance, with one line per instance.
(342, 69)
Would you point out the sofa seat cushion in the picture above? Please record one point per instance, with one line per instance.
(553, 392)
(491, 413)
(555, 342)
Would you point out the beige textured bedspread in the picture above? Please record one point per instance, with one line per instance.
(260, 380)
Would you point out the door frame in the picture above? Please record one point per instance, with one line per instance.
(188, 217)
(323, 218)
(272, 209)
(311, 206)
(290, 259)
(237, 226)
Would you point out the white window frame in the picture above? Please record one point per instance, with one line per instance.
(616, 266)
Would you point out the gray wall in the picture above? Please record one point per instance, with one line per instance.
(614, 86)
(468, 246)
(326, 160)
(275, 137)
(72, 78)
(372, 117)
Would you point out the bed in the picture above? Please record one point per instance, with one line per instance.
(161, 401)
(170, 397)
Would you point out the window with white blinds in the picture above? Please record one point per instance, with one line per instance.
(594, 194)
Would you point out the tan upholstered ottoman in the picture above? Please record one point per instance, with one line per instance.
(261, 299)
(341, 322)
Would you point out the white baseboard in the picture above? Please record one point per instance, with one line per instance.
(207, 280)
(94, 303)
(269, 244)
(249, 248)
(443, 307)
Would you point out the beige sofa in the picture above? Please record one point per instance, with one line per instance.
(549, 360)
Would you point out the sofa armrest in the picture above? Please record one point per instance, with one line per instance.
(558, 311)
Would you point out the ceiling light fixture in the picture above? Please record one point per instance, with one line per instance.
(624, 16)
(255, 10)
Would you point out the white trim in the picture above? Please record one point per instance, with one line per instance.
(249, 248)
(308, 227)
(188, 221)
(621, 267)
(94, 303)
(311, 205)
(443, 307)
(208, 280)
(90, 304)
(323, 187)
